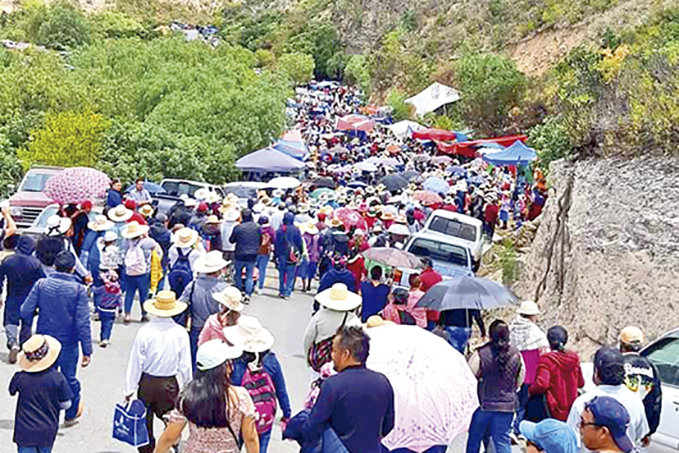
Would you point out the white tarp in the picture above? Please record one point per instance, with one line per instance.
(404, 128)
(432, 98)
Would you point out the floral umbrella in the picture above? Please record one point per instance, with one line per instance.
(351, 218)
(393, 257)
(434, 389)
(77, 184)
(426, 196)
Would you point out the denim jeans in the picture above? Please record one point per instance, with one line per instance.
(264, 440)
(140, 284)
(498, 424)
(521, 410)
(261, 263)
(194, 333)
(107, 319)
(34, 449)
(238, 271)
(68, 365)
(458, 337)
(286, 277)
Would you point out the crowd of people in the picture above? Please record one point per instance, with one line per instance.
(198, 361)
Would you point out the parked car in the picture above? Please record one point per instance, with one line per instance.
(465, 228)
(175, 188)
(244, 190)
(451, 256)
(30, 200)
(38, 226)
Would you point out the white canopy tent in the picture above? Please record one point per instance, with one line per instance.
(403, 128)
(437, 95)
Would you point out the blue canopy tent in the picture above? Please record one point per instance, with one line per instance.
(293, 145)
(269, 160)
(517, 154)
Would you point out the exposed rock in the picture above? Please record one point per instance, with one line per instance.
(607, 251)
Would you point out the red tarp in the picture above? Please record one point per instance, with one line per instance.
(434, 134)
(468, 149)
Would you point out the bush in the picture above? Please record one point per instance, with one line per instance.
(550, 140)
(62, 27)
(356, 72)
(264, 58)
(298, 67)
(396, 100)
(69, 139)
(508, 264)
(10, 168)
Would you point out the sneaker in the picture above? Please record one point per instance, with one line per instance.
(258, 291)
(103, 343)
(246, 300)
(13, 353)
(127, 318)
(74, 421)
(145, 318)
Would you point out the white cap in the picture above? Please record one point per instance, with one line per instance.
(213, 353)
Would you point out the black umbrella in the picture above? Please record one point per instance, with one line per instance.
(324, 182)
(466, 292)
(394, 182)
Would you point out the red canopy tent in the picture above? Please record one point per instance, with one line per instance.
(468, 149)
(434, 134)
(355, 123)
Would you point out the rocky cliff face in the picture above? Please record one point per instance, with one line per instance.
(606, 254)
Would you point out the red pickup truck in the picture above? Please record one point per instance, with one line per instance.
(29, 200)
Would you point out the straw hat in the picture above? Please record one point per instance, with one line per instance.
(338, 298)
(386, 215)
(185, 237)
(110, 236)
(250, 335)
(302, 208)
(399, 230)
(146, 210)
(100, 223)
(311, 228)
(231, 215)
(327, 210)
(210, 262)
(120, 214)
(214, 353)
(230, 297)
(528, 308)
(39, 353)
(133, 230)
(266, 201)
(212, 197)
(190, 203)
(201, 194)
(57, 225)
(164, 305)
(401, 219)
(258, 208)
(336, 223)
(213, 219)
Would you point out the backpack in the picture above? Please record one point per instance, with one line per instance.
(263, 393)
(265, 244)
(135, 262)
(181, 274)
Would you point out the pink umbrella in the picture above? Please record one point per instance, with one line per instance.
(442, 160)
(426, 196)
(355, 123)
(434, 389)
(351, 218)
(77, 184)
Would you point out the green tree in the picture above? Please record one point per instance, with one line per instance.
(356, 72)
(396, 100)
(62, 26)
(10, 169)
(491, 85)
(68, 139)
(550, 139)
(298, 67)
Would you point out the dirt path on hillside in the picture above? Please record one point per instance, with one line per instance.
(536, 54)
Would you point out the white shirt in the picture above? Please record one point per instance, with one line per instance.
(276, 219)
(638, 427)
(225, 232)
(161, 349)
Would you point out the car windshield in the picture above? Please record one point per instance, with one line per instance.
(179, 188)
(242, 192)
(453, 227)
(439, 251)
(35, 182)
(665, 356)
(41, 221)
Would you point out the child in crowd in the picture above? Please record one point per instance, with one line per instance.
(109, 295)
(43, 393)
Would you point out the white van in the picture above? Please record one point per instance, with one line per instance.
(467, 229)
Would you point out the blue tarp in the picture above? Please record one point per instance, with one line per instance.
(269, 159)
(298, 150)
(517, 154)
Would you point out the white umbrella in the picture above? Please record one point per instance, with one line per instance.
(434, 389)
(366, 166)
(284, 182)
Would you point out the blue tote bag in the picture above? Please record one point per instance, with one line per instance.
(129, 424)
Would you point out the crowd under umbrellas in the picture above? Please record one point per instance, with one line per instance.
(398, 351)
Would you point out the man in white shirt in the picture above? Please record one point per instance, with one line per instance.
(160, 354)
(609, 375)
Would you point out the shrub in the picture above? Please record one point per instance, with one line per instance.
(356, 72)
(550, 140)
(298, 67)
(396, 100)
(62, 26)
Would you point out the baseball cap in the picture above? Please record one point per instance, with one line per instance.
(609, 365)
(631, 335)
(551, 436)
(610, 413)
(213, 353)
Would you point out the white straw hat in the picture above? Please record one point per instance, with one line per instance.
(120, 214)
(210, 262)
(250, 335)
(100, 223)
(230, 297)
(110, 236)
(231, 215)
(164, 305)
(338, 298)
(133, 230)
(57, 225)
(213, 353)
(185, 237)
(39, 353)
(528, 308)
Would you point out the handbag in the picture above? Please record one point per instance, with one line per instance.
(129, 423)
(320, 353)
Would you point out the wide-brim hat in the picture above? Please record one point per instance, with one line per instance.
(399, 229)
(57, 225)
(164, 305)
(120, 214)
(201, 194)
(100, 223)
(39, 353)
(212, 197)
(213, 219)
(338, 298)
(210, 262)
(302, 208)
(528, 308)
(336, 223)
(190, 203)
(311, 228)
(133, 230)
(231, 215)
(230, 297)
(250, 335)
(278, 193)
(214, 353)
(386, 215)
(146, 210)
(185, 237)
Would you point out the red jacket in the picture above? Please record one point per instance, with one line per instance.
(558, 376)
(429, 278)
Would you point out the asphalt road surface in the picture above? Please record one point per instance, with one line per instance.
(103, 380)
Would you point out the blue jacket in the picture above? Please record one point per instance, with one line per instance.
(247, 237)
(334, 275)
(21, 270)
(89, 254)
(287, 235)
(273, 367)
(63, 307)
(113, 198)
